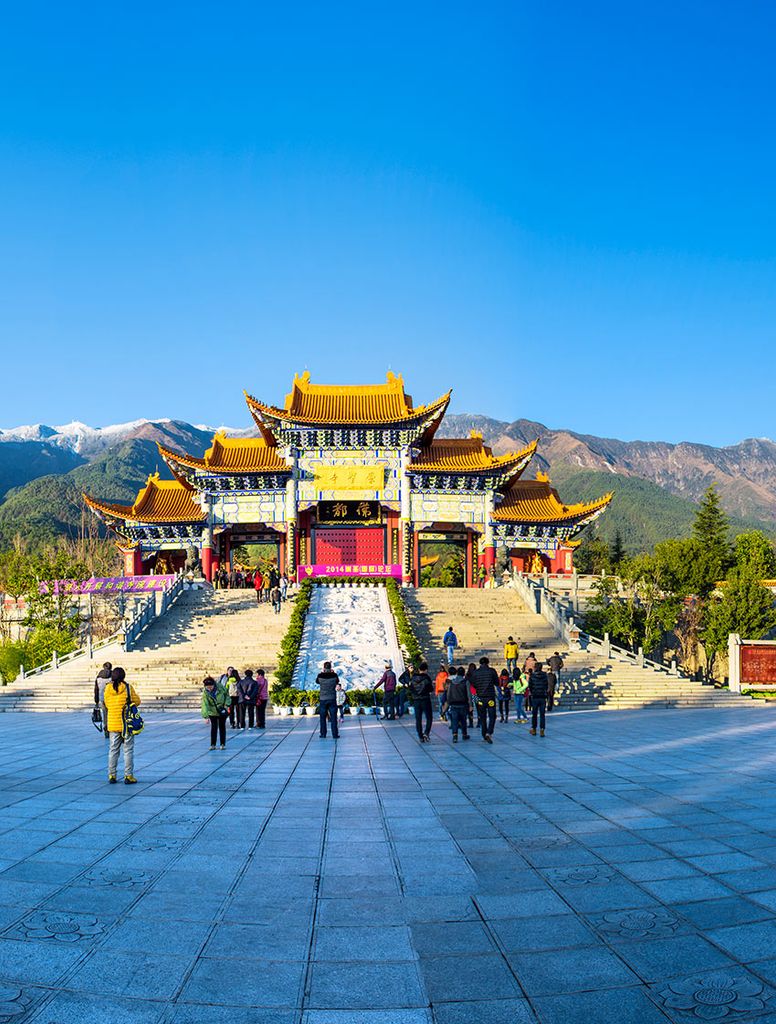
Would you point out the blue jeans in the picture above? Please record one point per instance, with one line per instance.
(519, 712)
(459, 715)
(328, 709)
(511, 666)
(440, 701)
(450, 654)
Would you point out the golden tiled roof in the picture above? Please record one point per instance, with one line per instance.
(160, 501)
(535, 501)
(347, 403)
(468, 455)
(231, 455)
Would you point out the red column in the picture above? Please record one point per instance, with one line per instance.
(282, 557)
(416, 559)
(207, 563)
(489, 557)
(227, 550)
(133, 562)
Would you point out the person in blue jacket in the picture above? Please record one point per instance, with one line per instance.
(450, 640)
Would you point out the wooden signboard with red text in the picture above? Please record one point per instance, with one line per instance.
(758, 663)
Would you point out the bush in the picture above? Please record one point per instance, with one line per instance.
(291, 642)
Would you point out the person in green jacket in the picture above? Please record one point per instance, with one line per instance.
(215, 707)
(519, 685)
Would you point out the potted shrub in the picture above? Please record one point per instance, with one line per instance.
(313, 698)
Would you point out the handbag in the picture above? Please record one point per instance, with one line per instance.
(97, 719)
(133, 722)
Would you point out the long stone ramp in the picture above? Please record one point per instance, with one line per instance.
(353, 628)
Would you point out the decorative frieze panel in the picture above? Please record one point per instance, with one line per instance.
(329, 474)
(448, 508)
(268, 507)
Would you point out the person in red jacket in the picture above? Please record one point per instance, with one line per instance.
(258, 586)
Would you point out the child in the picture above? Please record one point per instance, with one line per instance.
(339, 696)
(520, 685)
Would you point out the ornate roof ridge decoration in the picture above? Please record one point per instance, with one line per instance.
(346, 405)
(159, 501)
(229, 455)
(470, 455)
(535, 501)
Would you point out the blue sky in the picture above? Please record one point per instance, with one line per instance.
(565, 212)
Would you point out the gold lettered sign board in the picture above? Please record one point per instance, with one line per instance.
(349, 478)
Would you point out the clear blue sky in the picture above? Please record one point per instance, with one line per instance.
(564, 211)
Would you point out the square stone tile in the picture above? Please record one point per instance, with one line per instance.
(120, 974)
(558, 932)
(441, 938)
(490, 1011)
(613, 1006)
(395, 1015)
(570, 970)
(685, 890)
(459, 979)
(668, 958)
(725, 912)
(277, 984)
(76, 1008)
(388, 984)
(363, 943)
(747, 942)
(535, 903)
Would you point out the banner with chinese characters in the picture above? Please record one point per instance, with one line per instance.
(350, 478)
(349, 512)
(378, 571)
(111, 585)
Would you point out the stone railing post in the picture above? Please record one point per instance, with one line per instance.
(640, 658)
(607, 646)
(674, 669)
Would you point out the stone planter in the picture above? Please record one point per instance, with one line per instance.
(283, 712)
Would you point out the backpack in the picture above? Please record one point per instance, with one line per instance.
(133, 722)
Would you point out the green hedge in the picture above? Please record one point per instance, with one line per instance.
(291, 642)
(404, 630)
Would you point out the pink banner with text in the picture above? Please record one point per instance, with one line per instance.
(306, 572)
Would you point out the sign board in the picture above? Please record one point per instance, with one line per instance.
(348, 512)
(378, 571)
(111, 585)
(349, 478)
(758, 664)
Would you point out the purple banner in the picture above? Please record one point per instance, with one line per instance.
(112, 585)
(306, 572)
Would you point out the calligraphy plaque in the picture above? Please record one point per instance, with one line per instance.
(349, 478)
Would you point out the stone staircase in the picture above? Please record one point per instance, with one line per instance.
(203, 633)
(483, 619)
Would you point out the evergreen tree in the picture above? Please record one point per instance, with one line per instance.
(617, 553)
(710, 531)
(753, 551)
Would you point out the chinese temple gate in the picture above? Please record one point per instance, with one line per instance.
(348, 480)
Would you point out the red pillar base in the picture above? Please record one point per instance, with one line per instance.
(207, 564)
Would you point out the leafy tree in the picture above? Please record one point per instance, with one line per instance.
(754, 552)
(592, 556)
(745, 607)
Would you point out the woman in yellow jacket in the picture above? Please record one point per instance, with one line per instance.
(116, 701)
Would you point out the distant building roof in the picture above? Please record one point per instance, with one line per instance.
(230, 455)
(535, 501)
(160, 501)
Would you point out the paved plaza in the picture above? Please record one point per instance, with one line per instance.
(623, 869)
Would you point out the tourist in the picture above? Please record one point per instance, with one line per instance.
(538, 687)
(470, 680)
(388, 683)
(262, 699)
(267, 585)
(230, 679)
(440, 685)
(530, 663)
(485, 683)
(519, 686)
(327, 705)
(340, 698)
(275, 599)
(504, 695)
(458, 700)
(450, 640)
(283, 587)
(554, 666)
(247, 691)
(511, 651)
(216, 580)
(258, 586)
(421, 689)
(118, 693)
(402, 690)
(215, 708)
(103, 676)
(233, 579)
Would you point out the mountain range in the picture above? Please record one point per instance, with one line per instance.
(44, 469)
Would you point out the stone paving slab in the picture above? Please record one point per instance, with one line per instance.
(622, 869)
